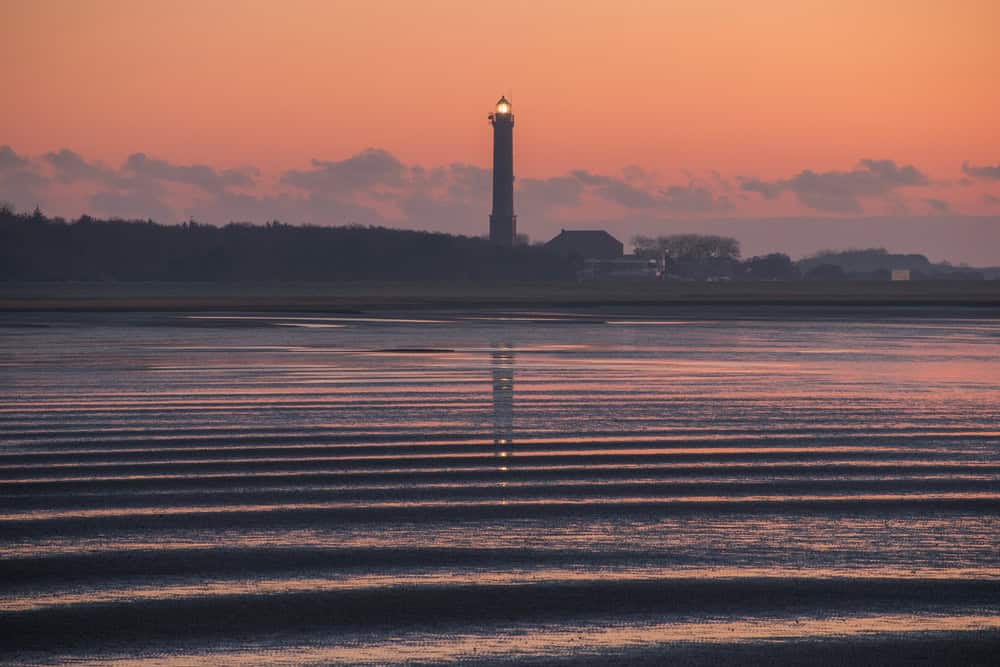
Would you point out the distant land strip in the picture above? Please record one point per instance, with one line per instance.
(356, 297)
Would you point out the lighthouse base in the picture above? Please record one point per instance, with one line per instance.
(503, 229)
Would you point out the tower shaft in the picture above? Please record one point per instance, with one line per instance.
(503, 222)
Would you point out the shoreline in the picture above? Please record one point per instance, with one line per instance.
(351, 298)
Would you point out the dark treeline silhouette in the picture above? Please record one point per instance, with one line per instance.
(704, 257)
(707, 257)
(879, 263)
(35, 247)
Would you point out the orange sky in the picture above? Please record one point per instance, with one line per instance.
(757, 87)
(760, 89)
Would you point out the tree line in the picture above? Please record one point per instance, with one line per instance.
(706, 257)
(36, 247)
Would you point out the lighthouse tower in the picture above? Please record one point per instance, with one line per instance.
(503, 222)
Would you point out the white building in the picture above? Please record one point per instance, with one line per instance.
(899, 275)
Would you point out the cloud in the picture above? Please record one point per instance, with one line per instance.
(985, 172)
(635, 174)
(938, 205)
(202, 176)
(20, 183)
(464, 182)
(137, 189)
(615, 190)
(718, 179)
(424, 211)
(451, 197)
(369, 187)
(141, 171)
(693, 199)
(70, 167)
(454, 196)
(375, 187)
(840, 191)
(372, 187)
(767, 190)
(368, 169)
(315, 208)
(11, 161)
(990, 200)
(542, 194)
(131, 205)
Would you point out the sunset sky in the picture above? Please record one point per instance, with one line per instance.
(791, 124)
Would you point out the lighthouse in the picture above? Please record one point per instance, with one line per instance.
(503, 222)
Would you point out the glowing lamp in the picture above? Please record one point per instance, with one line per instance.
(503, 106)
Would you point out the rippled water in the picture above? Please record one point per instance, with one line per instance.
(557, 486)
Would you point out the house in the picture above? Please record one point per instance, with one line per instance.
(586, 244)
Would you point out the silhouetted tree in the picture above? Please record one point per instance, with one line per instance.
(776, 266)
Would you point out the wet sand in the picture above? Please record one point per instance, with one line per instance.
(615, 486)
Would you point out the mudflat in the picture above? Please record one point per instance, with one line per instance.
(603, 486)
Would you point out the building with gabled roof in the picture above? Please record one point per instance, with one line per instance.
(586, 244)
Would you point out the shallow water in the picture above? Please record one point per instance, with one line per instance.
(549, 486)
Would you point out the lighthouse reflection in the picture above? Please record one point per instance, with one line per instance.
(502, 364)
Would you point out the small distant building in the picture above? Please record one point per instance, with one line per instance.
(900, 275)
(586, 244)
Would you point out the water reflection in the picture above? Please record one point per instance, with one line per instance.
(502, 364)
